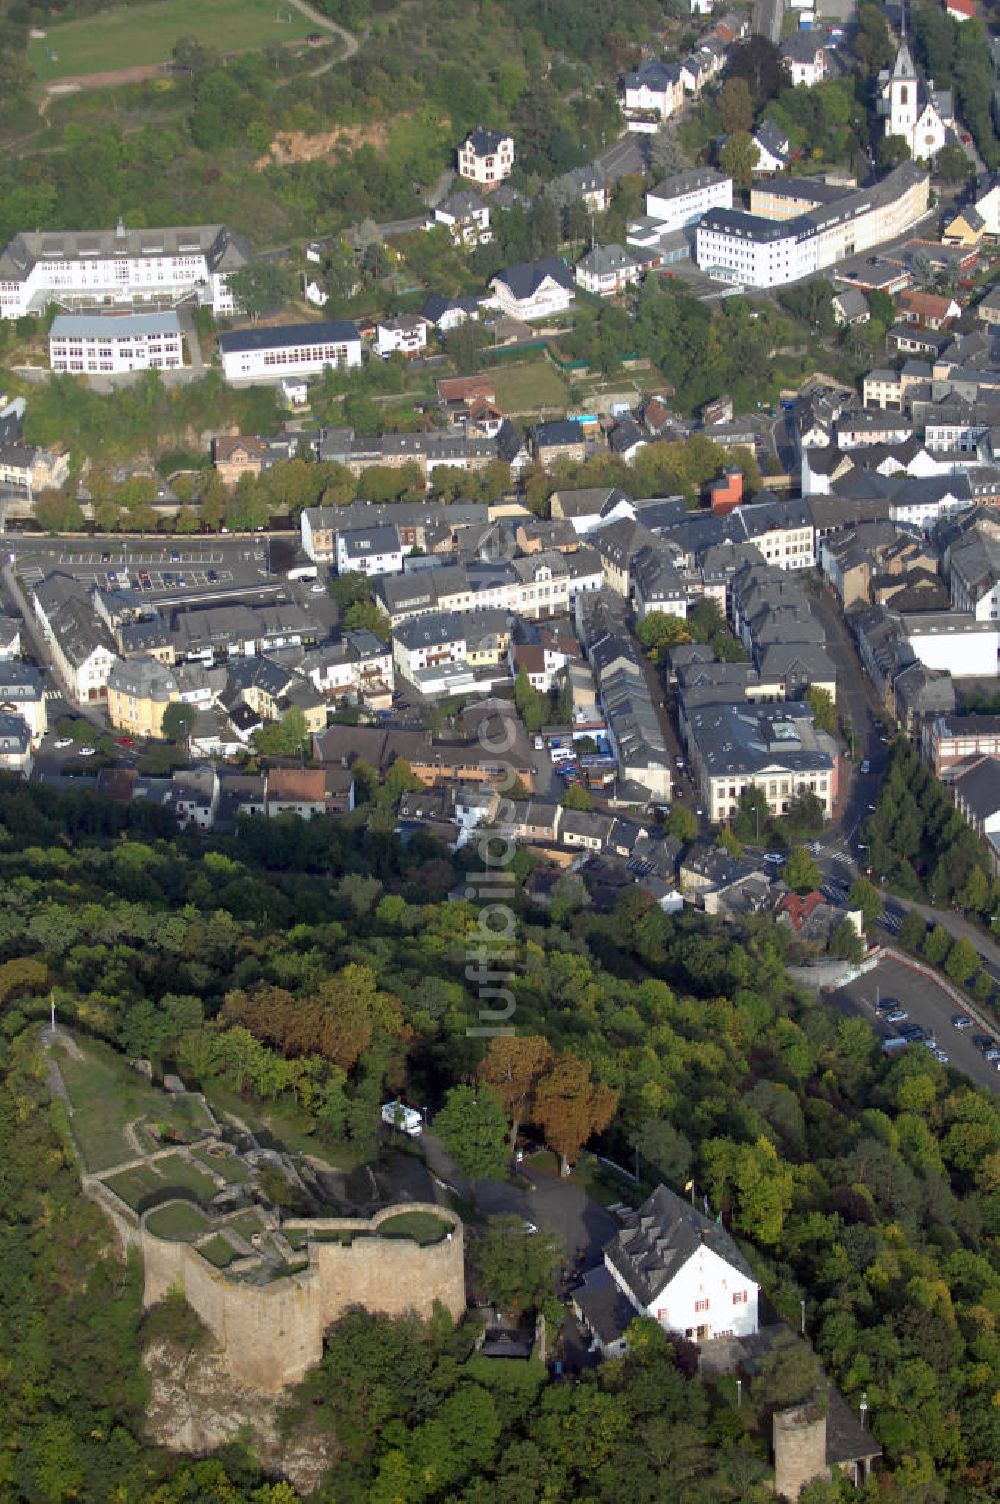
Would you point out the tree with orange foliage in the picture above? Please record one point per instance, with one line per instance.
(513, 1065)
(570, 1105)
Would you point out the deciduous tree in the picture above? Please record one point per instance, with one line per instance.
(513, 1066)
(570, 1106)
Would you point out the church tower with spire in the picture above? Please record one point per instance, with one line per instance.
(904, 88)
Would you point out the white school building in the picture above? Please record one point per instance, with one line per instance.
(263, 354)
(93, 344)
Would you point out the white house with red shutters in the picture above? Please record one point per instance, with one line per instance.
(683, 1270)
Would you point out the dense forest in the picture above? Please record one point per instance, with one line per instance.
(870, 1189)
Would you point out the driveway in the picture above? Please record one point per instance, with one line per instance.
(581, 1226)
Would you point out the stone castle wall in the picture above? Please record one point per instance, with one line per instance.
(271, 1334)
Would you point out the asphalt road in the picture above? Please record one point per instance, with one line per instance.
(767, 18)
(927, 1005)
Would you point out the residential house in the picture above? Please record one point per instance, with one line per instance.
(28, 469)
(15, 745)
(975, 788)
(370, 551)
(405, 335)
(966, 228)
(606, 270)
(562, 439)
(927, 309)
(22, 693)
(82, 650)
(195, 796)
(805, 58)
(850, 307)
(466, 216)
(534, 289)
(295, 791)
(590, 508)
(139, 691)
(653, 90)
(772, 145)
(486, 157)
(683, 1270)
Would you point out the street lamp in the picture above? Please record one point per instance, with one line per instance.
(863, 1407)
(802, 1313)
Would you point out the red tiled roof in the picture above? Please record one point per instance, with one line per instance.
(798, 907)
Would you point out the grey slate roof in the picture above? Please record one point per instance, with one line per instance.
(113, 326)
(283, 336)
(526, 277)
(669, 1232)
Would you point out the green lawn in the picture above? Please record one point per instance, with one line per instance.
(526, 388)
(133, 1185)
(218, 1251)
(422, 1227)
(177, 1171)
(107, 1093)
(180, 1222)
(227, 1165)
(144, 34)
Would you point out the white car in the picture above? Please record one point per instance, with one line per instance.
(776, 858)
(317, 589)
(88, 751)
(63, 743)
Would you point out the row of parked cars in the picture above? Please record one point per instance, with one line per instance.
(893, 1013)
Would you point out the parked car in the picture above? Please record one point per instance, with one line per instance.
(897, 1016)
(961, 1021)
(886, 1006)
(982, 1041)
(213, 578)
(88, 751)
(539, 744)
(124, 741)
(776, 858)
(912, 1032)
(62, 743)
(866, 766)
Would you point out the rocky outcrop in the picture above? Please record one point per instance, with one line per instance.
(195, 1405)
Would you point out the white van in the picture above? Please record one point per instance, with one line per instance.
(407, 1119)
(562, 754)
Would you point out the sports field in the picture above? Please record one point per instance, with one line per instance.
(140, 35)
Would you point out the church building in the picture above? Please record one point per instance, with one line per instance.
(913, 109)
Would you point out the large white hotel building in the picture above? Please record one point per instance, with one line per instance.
(787, 236)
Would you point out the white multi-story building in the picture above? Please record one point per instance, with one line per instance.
(764, 252)
(288, 349)
(95, 344)
(370, 551)
(486, 156)
(120, 268)
(682, 199)
(739, 247)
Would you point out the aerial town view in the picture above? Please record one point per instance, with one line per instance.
(500, 751)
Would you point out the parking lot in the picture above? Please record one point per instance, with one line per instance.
(152, 568)
(926, 1004)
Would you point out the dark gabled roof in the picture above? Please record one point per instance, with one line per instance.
(282, 336)
(668, 1232)
(560, 431)
(526, 277)
(485, 141)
